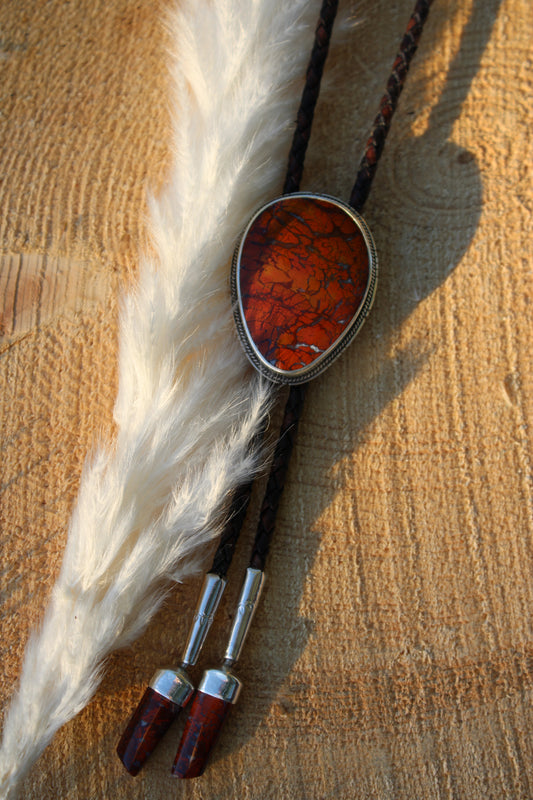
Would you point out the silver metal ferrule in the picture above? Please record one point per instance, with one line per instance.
(250, 594)
(174, 684)
(203, 617)
(220, 683)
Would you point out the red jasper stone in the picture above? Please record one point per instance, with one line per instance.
(304, 270)
(200, 735)
(146, 728)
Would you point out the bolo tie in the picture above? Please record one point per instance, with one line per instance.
(303, 279)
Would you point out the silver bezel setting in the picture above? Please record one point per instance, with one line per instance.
(304, 374)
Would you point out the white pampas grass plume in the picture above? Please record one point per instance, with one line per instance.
(187, 404)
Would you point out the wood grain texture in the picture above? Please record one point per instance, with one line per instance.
(36, 288)
(392, 654)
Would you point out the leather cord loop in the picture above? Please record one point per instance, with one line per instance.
(363, 183)
(359, 194)
(241, 499)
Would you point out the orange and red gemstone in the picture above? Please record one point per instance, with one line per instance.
(304, 269)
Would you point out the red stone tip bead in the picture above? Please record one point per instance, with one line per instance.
(202, 730)
(146, 728)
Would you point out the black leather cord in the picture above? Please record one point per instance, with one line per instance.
(306, 111)
(389, 102)
(361, 189)
(241, 499)
(359, 194)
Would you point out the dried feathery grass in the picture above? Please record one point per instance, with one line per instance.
(187, 404)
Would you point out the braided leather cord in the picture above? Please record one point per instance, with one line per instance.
(230, 535)
(304, 121)
(363, 182)
(306, 111)
(276, 478)
(389, 102)
(232, 529)
(359, 194)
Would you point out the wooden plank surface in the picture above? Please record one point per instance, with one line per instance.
(392, 656)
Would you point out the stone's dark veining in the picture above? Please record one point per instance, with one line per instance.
(303, 273)
(200, 735)
(147, 726)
